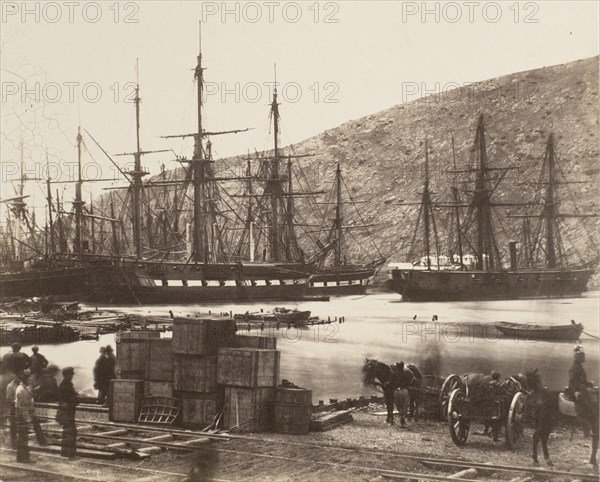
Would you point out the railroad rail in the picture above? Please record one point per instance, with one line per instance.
(159, 439)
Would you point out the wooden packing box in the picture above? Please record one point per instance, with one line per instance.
(195, 373)
(248, 367)
(159, 360)
(202, 336)
(158, 389)
(132, 353)
(249, 408)
(198, 410)
(127, 397)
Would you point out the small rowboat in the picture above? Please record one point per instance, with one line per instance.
(533, 331)
(284, 315)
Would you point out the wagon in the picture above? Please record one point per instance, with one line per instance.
(506, 409)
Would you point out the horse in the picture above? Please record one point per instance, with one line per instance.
(549, 406)
(394, 382)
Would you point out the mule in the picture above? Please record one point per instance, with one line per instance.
(549, 406)
(394, 381)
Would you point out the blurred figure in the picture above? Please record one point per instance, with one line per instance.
(104, 372)
(38, 364)
(431, 361)
(204, 464)
(65, 415)
(47, 388)
(24, 409)
(11, 413)
(16, 361)
(100, 370)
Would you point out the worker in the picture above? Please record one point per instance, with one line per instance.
(38, 363)
(23, 414)
(47, 388)
(578, 383)
(65, 415)
(101, 378)
(16, 361)
(11, 394)
(205, 461)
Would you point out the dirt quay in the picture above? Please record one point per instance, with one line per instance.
(355, 451)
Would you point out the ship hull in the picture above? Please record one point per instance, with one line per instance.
(447, 285)
(62, 283)
(191, 283)
(345, 281)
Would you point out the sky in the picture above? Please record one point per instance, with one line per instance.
(65, 64)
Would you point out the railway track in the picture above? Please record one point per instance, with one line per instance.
(319, 459)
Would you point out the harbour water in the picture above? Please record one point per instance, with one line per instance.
(328, 358)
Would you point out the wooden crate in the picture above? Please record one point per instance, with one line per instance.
(251, 341)
(248, 367)
(158, 389)
(249, 408)
(202, 336)
(195, 373)
(292, 410)
(291, 418)
(198, 410)
(294, 396)
(159, 360)
(127, 397)
(132, 353)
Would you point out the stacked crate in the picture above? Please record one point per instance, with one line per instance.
(127, 392)
(250, 377)
(132, 353)
(159, 368)
(292, 410)
(196, 342)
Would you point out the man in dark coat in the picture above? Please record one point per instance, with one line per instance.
(65, 415)
(578, 382)
(38, 364)
(16, 361)
(47, 388)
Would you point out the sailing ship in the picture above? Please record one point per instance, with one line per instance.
(342, 278)
(208, 274)
(28, 270)
(480, 274)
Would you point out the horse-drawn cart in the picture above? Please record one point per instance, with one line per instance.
(496, 406)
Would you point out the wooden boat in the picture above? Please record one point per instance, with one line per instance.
(540, 332)
(296, 317)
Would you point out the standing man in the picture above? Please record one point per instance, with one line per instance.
(24, 412)
(11, 411)
(38, 364)
(65, 415)
(16, 361)
(578, 382)
(101, 381)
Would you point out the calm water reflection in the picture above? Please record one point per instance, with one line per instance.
(328, 358)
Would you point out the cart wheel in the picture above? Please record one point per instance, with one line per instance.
(515, 421)
(450, 384)
(458, 423)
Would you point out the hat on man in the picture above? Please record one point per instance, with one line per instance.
(68, 371)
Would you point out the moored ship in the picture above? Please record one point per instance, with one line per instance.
(480, 275)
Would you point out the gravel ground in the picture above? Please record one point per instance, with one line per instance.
(267, 458)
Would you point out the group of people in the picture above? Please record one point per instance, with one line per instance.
(33, 379)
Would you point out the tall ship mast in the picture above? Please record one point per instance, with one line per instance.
(479, 271)
(43, 265)
(206, 274)
(336, 275)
